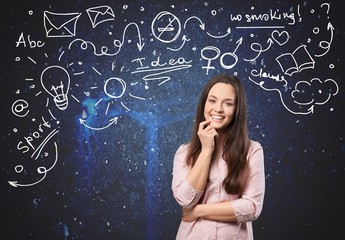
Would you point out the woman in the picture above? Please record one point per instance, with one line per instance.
(218, 177)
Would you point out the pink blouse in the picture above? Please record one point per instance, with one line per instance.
(247, 207)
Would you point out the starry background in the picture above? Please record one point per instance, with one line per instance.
(101, 168)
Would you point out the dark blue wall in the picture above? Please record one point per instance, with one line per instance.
(96, 161)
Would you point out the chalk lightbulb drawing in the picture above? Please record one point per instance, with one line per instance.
(56, 81)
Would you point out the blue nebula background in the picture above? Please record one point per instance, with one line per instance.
(106, 171)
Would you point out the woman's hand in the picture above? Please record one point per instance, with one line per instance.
(207, 135)
(189, 214)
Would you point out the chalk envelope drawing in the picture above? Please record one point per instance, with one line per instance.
(100, 14)
(60, 24)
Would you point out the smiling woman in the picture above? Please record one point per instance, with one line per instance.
(220, 107)
(218, 177)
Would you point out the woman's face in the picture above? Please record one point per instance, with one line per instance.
(220, 105)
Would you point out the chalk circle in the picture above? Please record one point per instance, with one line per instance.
(233, 60)
(166, 27)
(18, 168)
(316, 30)
(114, 87)
(210, 50)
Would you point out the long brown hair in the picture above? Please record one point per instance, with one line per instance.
(236, 143)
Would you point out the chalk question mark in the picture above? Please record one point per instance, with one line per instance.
(328, 7)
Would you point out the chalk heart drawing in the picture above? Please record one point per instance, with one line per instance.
(280, 37)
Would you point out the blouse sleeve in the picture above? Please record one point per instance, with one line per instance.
(184, 193)
(249, 206)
